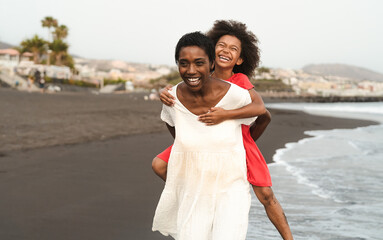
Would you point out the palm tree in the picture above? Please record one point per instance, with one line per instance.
(67, 60)
(35, 45)
(56, 44)
(49, 22)
(60, 32)
(59, 49)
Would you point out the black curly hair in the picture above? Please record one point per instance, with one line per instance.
(249, 43)
(196, 39)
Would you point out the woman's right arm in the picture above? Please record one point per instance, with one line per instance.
(260, 125)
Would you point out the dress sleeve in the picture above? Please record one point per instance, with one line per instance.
(167, 115)
(243, 81)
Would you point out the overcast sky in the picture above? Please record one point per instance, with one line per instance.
(292, 33)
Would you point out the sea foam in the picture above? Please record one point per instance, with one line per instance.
(329, 184)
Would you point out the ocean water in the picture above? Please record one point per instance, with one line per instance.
(330, 184)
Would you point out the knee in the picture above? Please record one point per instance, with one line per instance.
(266, 195)
(159, 166)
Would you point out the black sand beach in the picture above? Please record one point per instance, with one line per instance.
(78, 165)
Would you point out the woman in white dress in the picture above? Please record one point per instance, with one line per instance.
(206, 195)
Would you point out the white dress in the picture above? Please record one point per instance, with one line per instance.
(206, 195)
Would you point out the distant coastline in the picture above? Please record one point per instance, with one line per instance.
(288, 97)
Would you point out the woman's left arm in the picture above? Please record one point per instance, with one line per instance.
(172, 130)
(217, 115)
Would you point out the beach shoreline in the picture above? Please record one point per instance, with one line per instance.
(35, 120)
(79, 165)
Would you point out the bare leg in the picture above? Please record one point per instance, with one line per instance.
(160, 167)
(273, 210)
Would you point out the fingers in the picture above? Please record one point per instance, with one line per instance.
(210, 123)
(205, 116)
(167, 101)
(205, 120)
(169, 96)
(165, 93)
(208, 120)
(166, 98)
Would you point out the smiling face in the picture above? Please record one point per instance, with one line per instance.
(228, 52)
(194, 67)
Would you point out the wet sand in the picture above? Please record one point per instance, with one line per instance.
(78, 165)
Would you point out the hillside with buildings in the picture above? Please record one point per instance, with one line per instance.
(329, 83)
(86, 72)
(324, 80)
(343, 70)
(138, 73)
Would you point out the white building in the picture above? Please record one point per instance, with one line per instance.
(11, 57)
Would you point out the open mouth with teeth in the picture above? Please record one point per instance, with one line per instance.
(224, 58)
(193, 81)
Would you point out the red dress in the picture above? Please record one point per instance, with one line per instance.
(257, 171)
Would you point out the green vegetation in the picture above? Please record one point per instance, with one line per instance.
(275, 85)
(55, 50)
(60, 32)
(112, 81)
(35, 45)
(71, 82)
(59, 48)
(172, 78)
(49, 22)
(263, 70)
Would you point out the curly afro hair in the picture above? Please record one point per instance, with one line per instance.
(249, 43)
